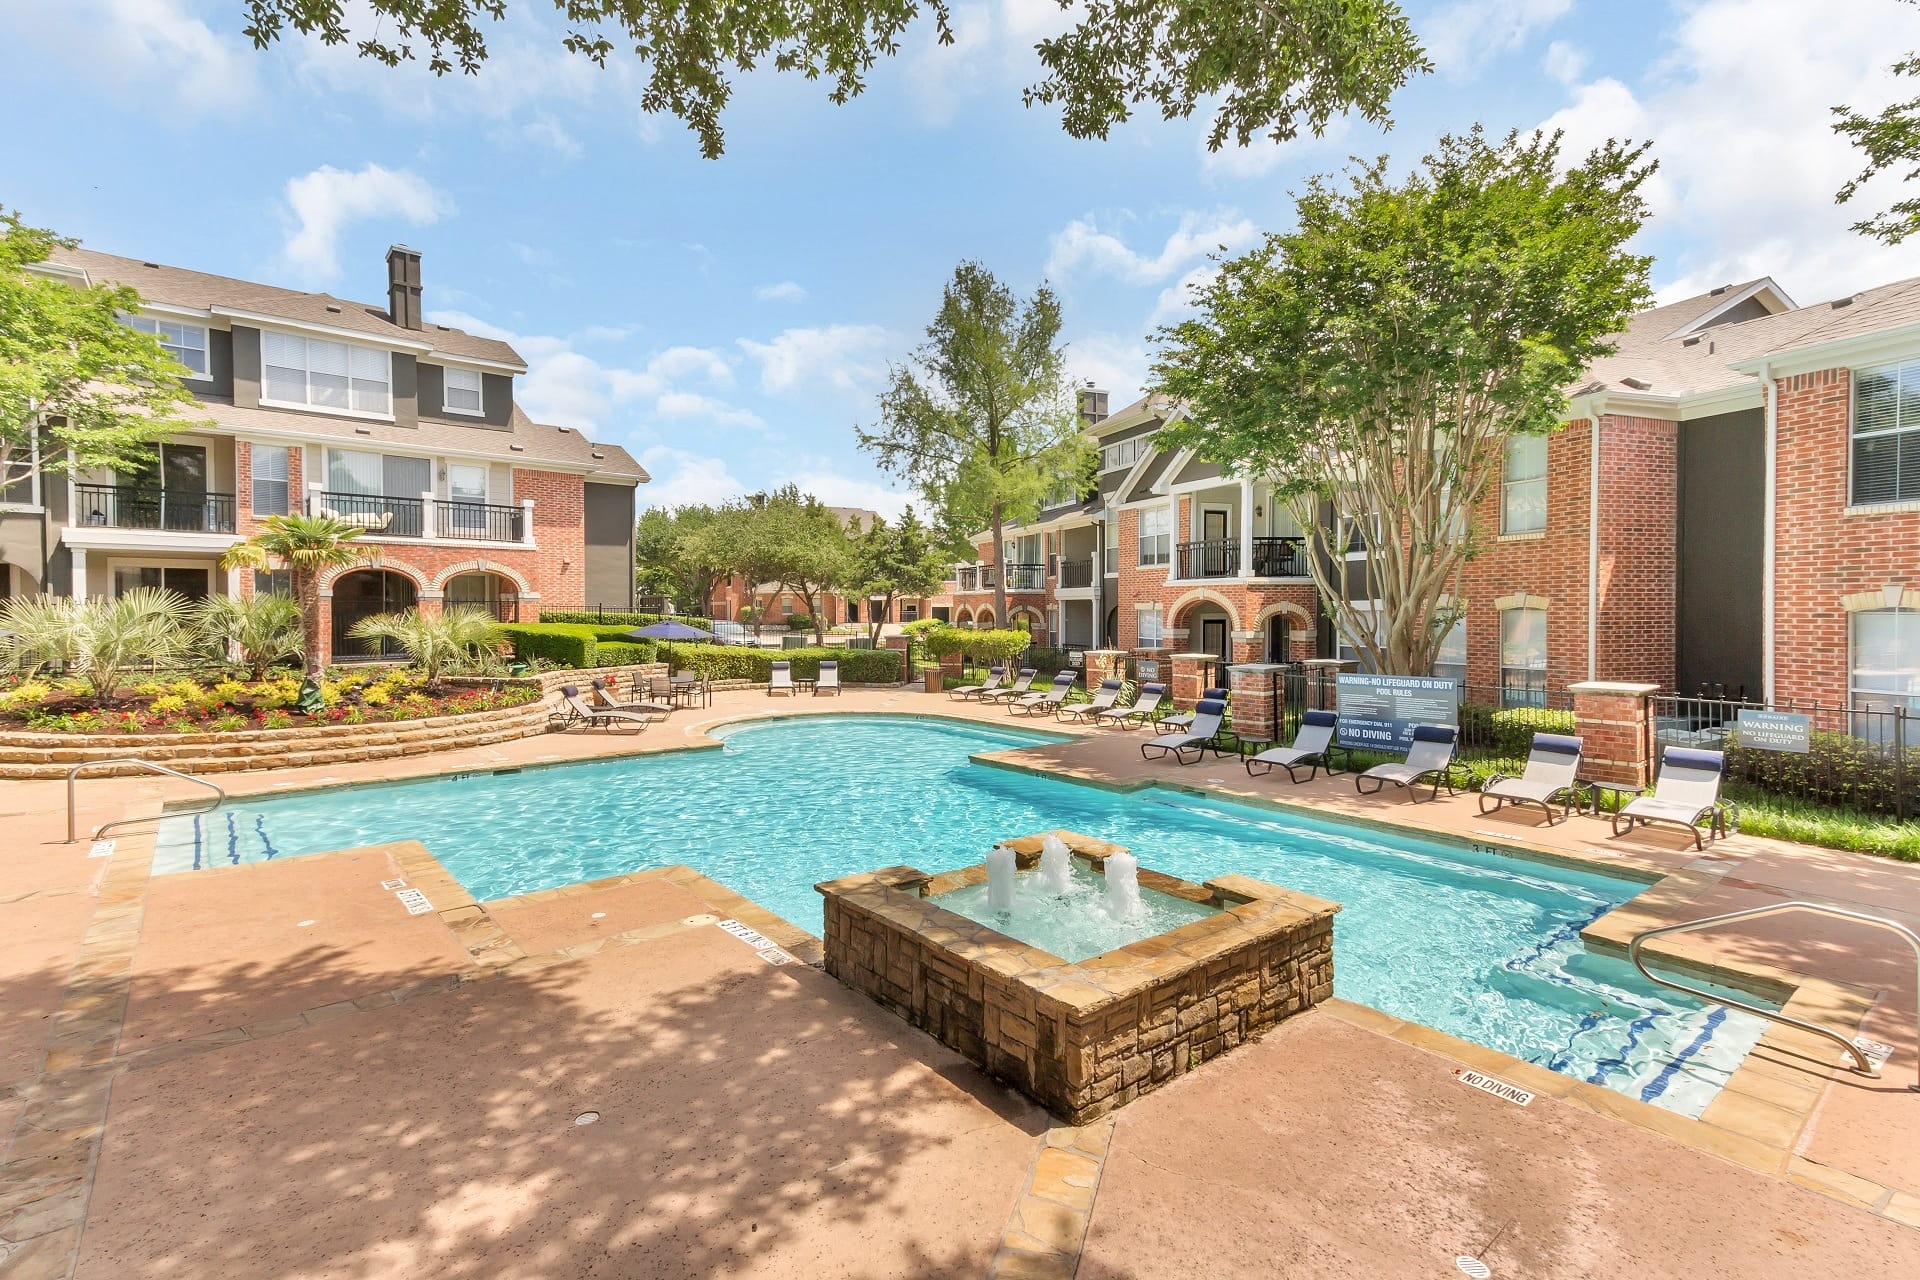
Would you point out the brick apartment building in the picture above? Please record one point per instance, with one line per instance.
(1748, 522)
(319, 404)
(731, 599)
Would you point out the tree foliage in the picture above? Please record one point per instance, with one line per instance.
(786, 541)
(305, 546)
(99, 639)
(452, 640)
(891, 562)
(1375, 361)
(1271, 66)
(981, 418)
(99, 393)
(672, 559)
(263, 629)
(1891, 141)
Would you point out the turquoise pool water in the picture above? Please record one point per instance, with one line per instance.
(1075, 924)
(1482, 946)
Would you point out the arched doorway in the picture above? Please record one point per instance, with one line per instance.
(491, 593)
(362, 594)
(1112, 636)
(1279, 638)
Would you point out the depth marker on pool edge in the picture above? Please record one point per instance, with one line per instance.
(1498, 1088)
(763, 946)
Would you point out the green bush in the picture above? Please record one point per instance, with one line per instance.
(1508, 731)
(1047, 661)
(1837, 769)
(624, 653)
(625, 621)
(567, 645)
(731, 662)
(800, 622)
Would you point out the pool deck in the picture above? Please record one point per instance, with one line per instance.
(274, 1070)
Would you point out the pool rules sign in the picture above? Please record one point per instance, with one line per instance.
(1378, 713)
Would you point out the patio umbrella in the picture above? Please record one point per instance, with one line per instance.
(669, 630)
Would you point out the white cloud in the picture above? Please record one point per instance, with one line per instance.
(1263, 155)
(136, 46)
(325, 201)
(681, 478)
(1114, 362)
(692, 405)
(837, 489)
(1082, 244)
(1466, 36)
(545, 134)
(683, 362)
(1176, 300)
(1738, 109)
(1565, 62)
(992, 49)
(785, 291)
(843, 356)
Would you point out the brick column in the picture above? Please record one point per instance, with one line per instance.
(1612, 720)
(1322, 688)
(1105, 664)
(1189, 678)
(1256, 700)
(952, 664)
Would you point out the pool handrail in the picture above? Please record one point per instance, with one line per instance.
(1864, 1065)
(220, 795)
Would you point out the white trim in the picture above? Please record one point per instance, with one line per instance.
(1163, 487)
(1187, 487)
(331, 410)
(1769, 537)
(475, 362)
(480, 390)
(175, 311)
(1880, 346)
(60, 271)
(1763, 285)
(308, 328)
(107, 538)
(1881, 509)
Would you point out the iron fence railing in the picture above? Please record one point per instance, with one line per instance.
(1280, 557)
(1026, 577)
(1865, 757)
(1211, 558)
(1076, 573)
(125, 506)
(389, 517)
(479, 521)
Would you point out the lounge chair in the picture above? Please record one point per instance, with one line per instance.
(1310, 748)
(1687, 790)
(1547, 780)
(967, 692)
(1103, 699)
(1431, 757)
(1182, 720)
(1048, 702)
(602, 697)
(1200, 738)
(829, 678)
(1020, 688)
(781, 680)
(1139, 713)
(574, 710)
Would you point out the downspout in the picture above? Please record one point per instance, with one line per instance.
(1772, 402)
(1593, 541)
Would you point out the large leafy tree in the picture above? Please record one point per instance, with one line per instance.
(981, 418)
(1376, 360)
(305, 546)
(1891, 141)
(786, 540)
(1266, 66)
(891, 562)
(98, 393)
(671, 556)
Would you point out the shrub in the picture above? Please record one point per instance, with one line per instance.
(730, 662)
(800, 622)
(1047, 661)
(1508, 731)
(1837, 768)
(623, 621)
(565, 644)
(623, 653)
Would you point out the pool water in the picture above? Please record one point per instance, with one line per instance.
(1076, 924)
(1481, 946)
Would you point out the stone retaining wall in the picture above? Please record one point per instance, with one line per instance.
(1085, 1038)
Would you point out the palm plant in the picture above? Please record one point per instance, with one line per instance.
(453, 639)
(99, 639)
(265, 629)
(307, 546)
(42, 631)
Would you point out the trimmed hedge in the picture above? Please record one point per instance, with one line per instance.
(577, 645)
(1508, 732)
(1837, 768)
(732, 662)
(626, 621)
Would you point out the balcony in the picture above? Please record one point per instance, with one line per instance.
(393, 517)
(1279, 557)
(1076, 573)
(122, 506)
(1026, 577)
(1220, 558)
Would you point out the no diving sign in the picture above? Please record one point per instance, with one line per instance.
(1498, 1088)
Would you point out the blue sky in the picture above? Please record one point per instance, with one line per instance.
(730, 321)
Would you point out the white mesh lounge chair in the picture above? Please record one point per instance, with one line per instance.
(1044, 703)
(1548, 779)
(781, 679)
(1020, 688)
(1201, 736)
(1103, 699)
(574, 710)
(1310, 748)
(829, 678)
(1430, 757)
(966, 692)
(1139, 713)
(1687, 790)
(602, 697)
(1181, 721)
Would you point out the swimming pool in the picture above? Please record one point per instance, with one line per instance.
(1481, 946)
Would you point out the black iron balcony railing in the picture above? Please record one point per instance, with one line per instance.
(1026, 577)
(1076, 573)
(125, 506)
(1212, 558)
(967, 579)
(1279, 557)
(388, 517)
(478, 521)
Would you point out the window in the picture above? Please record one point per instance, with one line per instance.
(786, 605)
(467, 500)
(1124, 453)
(1451, 662)
(1523, 486)
(1886, 434)
(1885, 673)
(909, 613)
(462, 391)
(1152, 633)
(1523, 657)
(1354, 532)
(272, 582)
(269, 480)
(186, 343)
(325, 375)
(377, 475)
(1156, 536)
(1348, 649)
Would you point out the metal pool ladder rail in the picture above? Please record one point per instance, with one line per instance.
(1863, 1064)
(219, 793)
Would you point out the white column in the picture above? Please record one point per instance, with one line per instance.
(426, 514)
(79, 573)
(526, 521)
(314, 503)
(1246, 528)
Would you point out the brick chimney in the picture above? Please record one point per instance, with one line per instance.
(403, 286)
(1093, 405)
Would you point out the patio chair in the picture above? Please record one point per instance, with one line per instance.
(1547, 780)
(1103, 699)
(574, 710)
(1200, 738)
(1020, 688)
(1047, 702)
(1431, 757)
(1180, 721)
(1139, 713)
(1687, 790)
(967, 692)
(829, 678)
(1310, 747)
(602, 697)
(781, 680)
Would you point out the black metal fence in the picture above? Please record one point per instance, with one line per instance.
(125, 506)
(1861, 757)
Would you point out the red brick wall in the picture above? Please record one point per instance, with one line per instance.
(560, 529)
(246, 523)
(1639, 525)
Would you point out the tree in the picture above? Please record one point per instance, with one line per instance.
(672, 560)
(306, 546)
(1375, 361)
(265, 629)
(793, 541)
(981, 419)
(894, 562)
(1270, 65)
(452, 640)
(96, 392)
(1891, 141)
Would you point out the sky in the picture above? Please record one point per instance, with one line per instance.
(731, 321)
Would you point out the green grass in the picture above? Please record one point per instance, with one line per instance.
(1783, 818)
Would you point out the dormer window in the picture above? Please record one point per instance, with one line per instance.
(463, 391)
(315, 373)
(186, 343)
